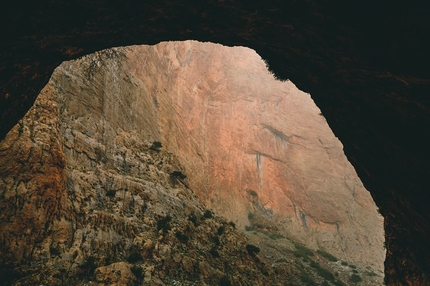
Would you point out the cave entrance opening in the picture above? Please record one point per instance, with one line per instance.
(254, 149)
(237, 131)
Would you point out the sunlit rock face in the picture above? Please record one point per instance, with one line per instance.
(247, 143)
(250, 143)
(87, 200)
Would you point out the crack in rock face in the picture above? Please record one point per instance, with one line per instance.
(80, 173)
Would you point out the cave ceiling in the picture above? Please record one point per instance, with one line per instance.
(365, 63)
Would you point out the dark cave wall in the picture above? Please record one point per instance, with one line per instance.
(364, 64)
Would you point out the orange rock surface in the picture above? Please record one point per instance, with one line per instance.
(246, 142)
(251, 143)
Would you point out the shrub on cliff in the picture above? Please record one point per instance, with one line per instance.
(355, 278)
(134, 257)
(338, 283)
(327, 255)
(224, 281)
(164, 223)
(181, 237)
(251, 216)
(207, 214)
(177, 175)
(307, 279)
(322, 271)
(89, 265)
(371, 274)
(216, 240)
(221, 230)
(302, 251)
(111, 193)
(252, 249)
(214, 253)
(156, 146)
(138, 272)
(193, 218)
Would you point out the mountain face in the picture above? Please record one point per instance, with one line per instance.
(83, 175)
(87, 200)
(251, 144)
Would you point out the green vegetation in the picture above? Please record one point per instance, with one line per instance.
(221, 230)
(181, 237)
(273, 235)
(327, 255)
(137, 271)
(232, 224)
(315, 264)
(371, 274)
(248, 228)
(352, 266)
(252, 249)
(344, 263)
(111, 193)
(164, 223)
(224, 281)
(89, 265)
(276, 236)
(324, 273)
(54, 251)
(207, 214)
(134, 257)
(338, 283)
(216, 240)
(307, 279)
(178, 175)
(109, 259)
(250, 216)
(156, 146)
(302, 251)
(192, 217)
(214, 253)
(355, 278)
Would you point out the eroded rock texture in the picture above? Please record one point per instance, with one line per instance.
(250, 143)
(83, 184)
(86, 199)
(365, 64)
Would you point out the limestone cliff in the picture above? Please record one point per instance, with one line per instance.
(253, 144)
(79, 176)
(86, 200)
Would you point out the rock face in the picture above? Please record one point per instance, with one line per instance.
(86, 200)
(251, 144)
(79, 175)
(365, 64)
